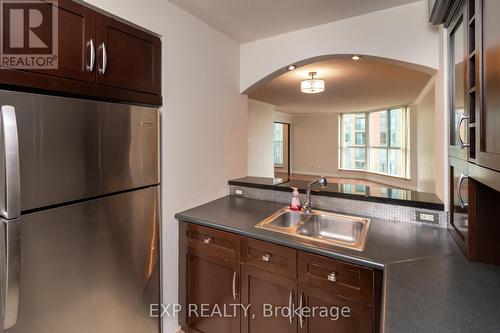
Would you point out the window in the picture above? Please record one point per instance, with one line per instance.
(278, 144)
(381, 142)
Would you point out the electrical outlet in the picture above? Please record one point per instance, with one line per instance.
(238, 192)
(427, 217)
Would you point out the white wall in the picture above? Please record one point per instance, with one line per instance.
(315, 144)
(441, 121)
(401, 33)
(203, 117)
(425, 107)
(260, 140)
(260, 157)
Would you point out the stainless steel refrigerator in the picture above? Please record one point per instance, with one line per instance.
(79, 205)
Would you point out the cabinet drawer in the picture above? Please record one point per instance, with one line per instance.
(211, 241)
(352, 281)
(271, 257)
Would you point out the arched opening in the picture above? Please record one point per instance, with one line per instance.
(318, 59)
(362, 129)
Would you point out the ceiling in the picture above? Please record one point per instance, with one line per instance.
(249, 20)
(363, 85)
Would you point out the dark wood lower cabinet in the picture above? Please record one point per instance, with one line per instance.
(462, 207)
(267, 294)
(343, 315)
(211, 288)
(273, 281)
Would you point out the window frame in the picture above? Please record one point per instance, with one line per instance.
(404, 146)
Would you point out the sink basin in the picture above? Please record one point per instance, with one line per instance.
(320, 226)
(288, 219)
(332, 227)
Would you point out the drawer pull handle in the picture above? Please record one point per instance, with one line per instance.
(207, 240)
(266, 257)
(332, 277)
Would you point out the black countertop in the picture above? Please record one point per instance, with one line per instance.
(387, 241)
(372, 193)
(428, 285)
(443, 293)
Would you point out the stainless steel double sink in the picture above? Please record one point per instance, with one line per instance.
(325, 227)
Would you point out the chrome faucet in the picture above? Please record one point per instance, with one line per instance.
(308, 205)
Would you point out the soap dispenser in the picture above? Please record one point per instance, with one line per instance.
(295, 204)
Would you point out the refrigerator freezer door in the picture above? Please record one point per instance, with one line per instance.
(72, 149)
(91, 267)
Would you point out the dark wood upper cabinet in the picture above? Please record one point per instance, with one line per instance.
(459, 115)
(464, 85)
(76, 34)
(488, 143)
(128, 58)
(77, 26)
(99, 57)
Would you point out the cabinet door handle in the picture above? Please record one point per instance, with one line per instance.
(104, 53)
(235, 294)
(290, 317)
(207, 240)
(90, 66)
(301, 319)
(463, 177)
(266, 257)
(461, 142)
(332, 277)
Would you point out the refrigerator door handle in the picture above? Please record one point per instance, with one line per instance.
(11, 205)
(12, 266)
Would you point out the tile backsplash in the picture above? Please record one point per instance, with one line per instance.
(366, 208)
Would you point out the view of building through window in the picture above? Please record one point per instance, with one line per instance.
(278, 144)
(376, 141)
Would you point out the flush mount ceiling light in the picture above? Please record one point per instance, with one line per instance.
(312, 85)
(356, 57)
(291, 67)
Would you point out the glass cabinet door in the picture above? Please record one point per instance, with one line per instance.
(458, 113)
(488, 154)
